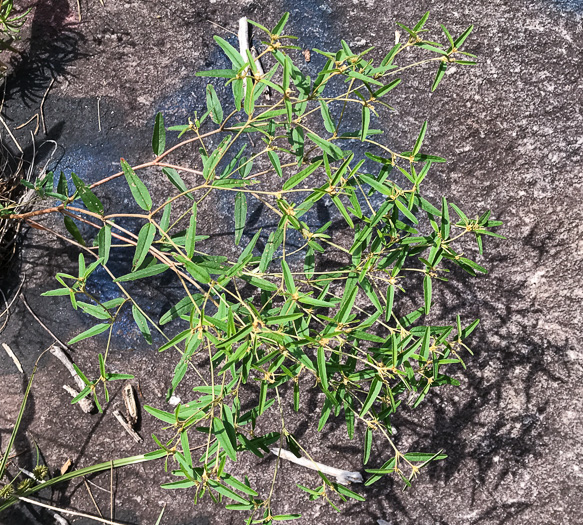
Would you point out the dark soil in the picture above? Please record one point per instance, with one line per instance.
(511, 129)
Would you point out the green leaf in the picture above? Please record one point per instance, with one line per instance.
(440, 72)
(290, 284)
(62, 186)
(275, 162)
(364, 78)
(367, 444)
(149, 271)
(347, 492)
(57, 292)
(365, 122)
(379, 186)
(198, 272)
(445, 224)
(214, 105)
(94, 330)
(221, 434)
(189, 243)
(225, 491)
(427, 293)
(218, 73)
(322, 373)
(420, 138)
(87, 196)
(145, 239)
(260, 283)
(240, 215)
(166, 417)
(405, 211)
(390, 299)
(234, 55)
(280, 25)
(159, 137)
(328, 121)
(104, 243)
(317, 302)
(375, 388)
(94, 310)
(165, 220)
(137, 187)
(334, 151)
(462, 38)
(175, 340)
(176, 180)
(309, 263)
(142, 324)
(292, 182)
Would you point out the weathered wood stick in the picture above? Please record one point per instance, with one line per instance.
(127, 427)
(344, 477)
(12, 356)
(88, 405)
(85, 404)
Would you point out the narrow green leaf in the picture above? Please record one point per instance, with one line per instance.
(331, 149)
(275, 162)
(175, 340)
(322, 373)
(367, 445)
(214, 105)
(281, 24)
(219, 73)
(427, 293)
(94, 330)
(327, 118)
(309, 263)
(149, 271)
(195, 270)
(137, 187)
(240, 215)
(365, 122)
(385, 89)
(221, 434)
(440, 72)
(406, 212)
(94, 310)
(293, 181)
(142, 324)
(87, 196)
(189, 243)
(364, 78)
(62, 186)
(176, 180)
(159, 137)
(234, 55)
(104, 243)
(375, 388)
(420, 138)
(462, 38)
(145, 239)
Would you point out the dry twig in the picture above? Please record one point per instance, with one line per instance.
(344, 477)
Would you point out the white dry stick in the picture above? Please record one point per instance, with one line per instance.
(127, 427)
(13, 357)
(344, 477)
(63, 358)
(243, 36)
(59, 519)
(85, 404)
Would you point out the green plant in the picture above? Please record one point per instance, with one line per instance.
(260, 318)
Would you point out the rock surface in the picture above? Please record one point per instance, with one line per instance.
(511, 129)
